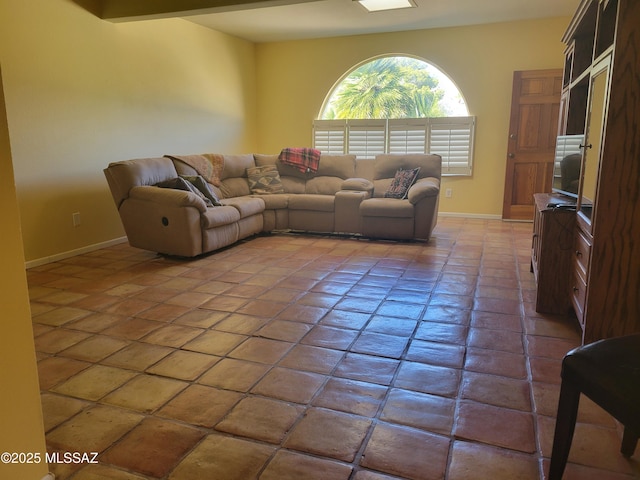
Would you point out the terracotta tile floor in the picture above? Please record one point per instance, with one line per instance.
(310, 357)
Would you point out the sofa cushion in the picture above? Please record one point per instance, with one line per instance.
(386, 207)
(235, 166)
(381, 186)
(319, 203)
(323, 185)
(247, 206)
(365, 168)
(277, 201)
(234, 187)
(359, 184)
(293, 185)
(401, 183)
(219, 216)
(264, 159)
(342, 166)
(264, 180)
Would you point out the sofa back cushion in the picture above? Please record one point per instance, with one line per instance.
(365, 168)
(123, 176)
(235, 166)
(323, 185)
(234, 175)
(341, 166)
(327, 180)
(386, 166)
(333, 170)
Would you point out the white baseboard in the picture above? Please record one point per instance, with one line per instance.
(73, 253)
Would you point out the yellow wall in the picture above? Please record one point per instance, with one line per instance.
(82, 92)
(20, 411)
(295, 77)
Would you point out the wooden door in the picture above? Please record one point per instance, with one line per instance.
(533, 127)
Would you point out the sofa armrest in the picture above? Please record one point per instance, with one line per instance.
(168, 197)
(358, 184)
(423, 188)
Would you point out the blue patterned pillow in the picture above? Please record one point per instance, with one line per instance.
(401, 183)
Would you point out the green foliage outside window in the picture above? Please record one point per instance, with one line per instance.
(393, 87)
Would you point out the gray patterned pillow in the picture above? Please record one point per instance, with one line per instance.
(264, 180)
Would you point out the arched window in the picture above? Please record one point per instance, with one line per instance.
(397, 104)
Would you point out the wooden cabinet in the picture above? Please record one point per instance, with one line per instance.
(551, 255)
(601, 99)
(580, 268)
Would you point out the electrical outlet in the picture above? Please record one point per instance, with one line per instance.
(448, 193)
(76, 219)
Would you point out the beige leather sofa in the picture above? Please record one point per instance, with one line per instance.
(344, 195)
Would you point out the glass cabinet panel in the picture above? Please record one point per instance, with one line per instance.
(593, 141)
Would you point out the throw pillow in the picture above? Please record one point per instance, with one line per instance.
(201, 184)
(401, 183)
(264, 180)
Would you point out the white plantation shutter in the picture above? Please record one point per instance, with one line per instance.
(450, 137)
(408, 135)
(329, 136)
(367, 138)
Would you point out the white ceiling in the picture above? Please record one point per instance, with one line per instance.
(329, 18)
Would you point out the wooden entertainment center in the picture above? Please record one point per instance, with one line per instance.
(586, 256)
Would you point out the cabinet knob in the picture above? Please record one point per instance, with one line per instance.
(511, 155)
(578, 253)
(575, 289)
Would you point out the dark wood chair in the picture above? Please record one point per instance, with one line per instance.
(608, 372)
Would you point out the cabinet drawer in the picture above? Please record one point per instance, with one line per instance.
(582, 254)
(578, 295)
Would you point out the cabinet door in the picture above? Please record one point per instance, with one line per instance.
(598, 95)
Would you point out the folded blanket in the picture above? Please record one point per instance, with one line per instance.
(304, 159)
(209, 165)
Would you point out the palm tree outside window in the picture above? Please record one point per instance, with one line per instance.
(397, 105)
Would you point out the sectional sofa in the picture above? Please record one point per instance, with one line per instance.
(167, 205)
